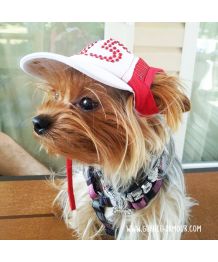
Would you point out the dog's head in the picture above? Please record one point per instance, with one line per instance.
(85, 120)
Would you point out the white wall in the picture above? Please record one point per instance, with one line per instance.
(160, 44)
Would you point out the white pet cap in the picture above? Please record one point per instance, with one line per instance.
(107, 61)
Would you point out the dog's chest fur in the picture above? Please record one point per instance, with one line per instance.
(160, 219)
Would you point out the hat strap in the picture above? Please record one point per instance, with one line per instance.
(142, 78)
(70, 184)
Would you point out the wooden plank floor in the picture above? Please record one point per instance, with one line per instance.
(203, 188)
(26, 209)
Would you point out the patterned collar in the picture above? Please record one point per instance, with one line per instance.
(137, 196)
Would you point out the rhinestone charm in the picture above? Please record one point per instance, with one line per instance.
(146, 187)
(135, 195)
(153, 175)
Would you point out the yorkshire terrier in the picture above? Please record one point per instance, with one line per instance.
(128, 181)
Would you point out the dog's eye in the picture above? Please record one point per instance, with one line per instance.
(87, 104)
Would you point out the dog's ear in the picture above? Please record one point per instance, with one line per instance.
(170, 98)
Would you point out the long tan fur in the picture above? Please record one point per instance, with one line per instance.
(118, 140)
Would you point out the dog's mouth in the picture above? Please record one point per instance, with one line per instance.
(42, 124)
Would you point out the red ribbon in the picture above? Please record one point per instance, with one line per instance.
(70, 184)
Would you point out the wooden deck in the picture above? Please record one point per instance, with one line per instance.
(26, 213)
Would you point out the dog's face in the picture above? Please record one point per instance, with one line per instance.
(87, 121)
(81, 118)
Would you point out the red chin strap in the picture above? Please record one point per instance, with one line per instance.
(70, 184)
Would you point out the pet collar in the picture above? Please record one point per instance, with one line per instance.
(138, 194)
(107, 61)
(125, 200)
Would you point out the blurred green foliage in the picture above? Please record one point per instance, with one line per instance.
(18, 97)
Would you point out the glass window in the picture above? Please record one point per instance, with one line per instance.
(201, 142)
(18, 95)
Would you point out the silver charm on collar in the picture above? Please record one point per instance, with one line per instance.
(135, 195)
(153, 174)
(146, 187)
(117, 199)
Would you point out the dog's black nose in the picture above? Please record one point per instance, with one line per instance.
(41, 124)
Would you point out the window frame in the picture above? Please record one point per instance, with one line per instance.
(125, 33)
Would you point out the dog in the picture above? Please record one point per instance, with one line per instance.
(114, 115)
